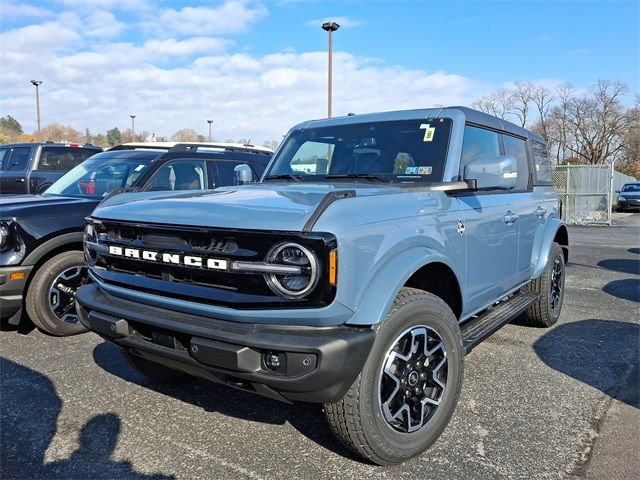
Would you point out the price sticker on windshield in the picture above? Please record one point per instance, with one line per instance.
(429, 132)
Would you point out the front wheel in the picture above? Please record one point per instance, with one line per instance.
(409, 387)
(51, 296)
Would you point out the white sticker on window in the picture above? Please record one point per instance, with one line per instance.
(418, 170)
(139, 167)
(429, 132)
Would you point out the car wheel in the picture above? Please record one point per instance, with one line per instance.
(545, 311)
(154, 371)
(51, 295)
(409, 387)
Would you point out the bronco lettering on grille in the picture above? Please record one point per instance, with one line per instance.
(170, 258)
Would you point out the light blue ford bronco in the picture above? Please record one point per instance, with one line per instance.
(374, 254)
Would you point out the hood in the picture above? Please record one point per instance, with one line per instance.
(18, 205)
(272, 206)
(629, 194)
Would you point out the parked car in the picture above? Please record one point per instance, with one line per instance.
(376, 252)
(33, 167)
(629, 197)
(41, 259)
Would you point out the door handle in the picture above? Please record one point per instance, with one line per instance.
(510, 217)
(540, 212)
(20, 180)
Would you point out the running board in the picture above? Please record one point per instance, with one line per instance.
(479, 328)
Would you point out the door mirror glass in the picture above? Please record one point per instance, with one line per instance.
(244, 174)
(500, 172)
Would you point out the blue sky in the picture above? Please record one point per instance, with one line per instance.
(259, 67)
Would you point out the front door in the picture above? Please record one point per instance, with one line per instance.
(14, 170)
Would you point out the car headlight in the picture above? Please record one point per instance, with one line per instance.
(4, 235)
(622, 199)
(293, 285)
(90, 236)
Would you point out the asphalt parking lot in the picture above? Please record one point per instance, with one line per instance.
(536, 404)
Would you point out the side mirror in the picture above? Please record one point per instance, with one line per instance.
(244, 174)
(617, 191)
(499, 172)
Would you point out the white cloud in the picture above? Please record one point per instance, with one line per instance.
(231, 17)
(344, 22)
(102, 24)
(12, 10)
(175, 48)
(91, 5)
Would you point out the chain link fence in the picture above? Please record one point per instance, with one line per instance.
(588, 192)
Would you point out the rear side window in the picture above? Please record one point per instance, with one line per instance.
(4, 155)
(18, 160)
(478, 143)
(542, 164)
(62, 158)
(517, 147)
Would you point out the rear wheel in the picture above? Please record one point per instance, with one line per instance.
(545, 311)
(154, 371)
(409, 387)
(51, 296)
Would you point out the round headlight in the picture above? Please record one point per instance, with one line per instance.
(293, 285)
(4, 236)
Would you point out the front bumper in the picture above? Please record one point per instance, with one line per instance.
(629, 204)
(12, 290)
(316, 364)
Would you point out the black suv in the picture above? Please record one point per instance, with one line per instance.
(33, 167)
(41, 259)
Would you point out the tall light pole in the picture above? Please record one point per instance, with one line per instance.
(209, 122)
(330, 27)
(133, 125)
(37, 83)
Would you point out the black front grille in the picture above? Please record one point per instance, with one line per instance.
(206, 285)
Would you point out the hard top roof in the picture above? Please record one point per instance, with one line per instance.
(470, 115)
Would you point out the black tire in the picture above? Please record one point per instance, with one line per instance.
(359, 419)
(545, 311)
(154, 371)
(51, 305)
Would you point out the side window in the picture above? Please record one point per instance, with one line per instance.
(541, 163)
(517, 147)
(4, 155)
(18, 160)
(226, 174)
(179, 175)
(477, 143)
(62, 158)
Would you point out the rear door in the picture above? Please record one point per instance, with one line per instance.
(14, 170)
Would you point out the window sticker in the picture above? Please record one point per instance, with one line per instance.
(139, 167)
(429, 132)
(418, 170)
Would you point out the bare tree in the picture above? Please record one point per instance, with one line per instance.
(499, 104)
(630, 156)
(521, 99)
(185, 135)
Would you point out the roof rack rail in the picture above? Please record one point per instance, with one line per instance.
(193, 147)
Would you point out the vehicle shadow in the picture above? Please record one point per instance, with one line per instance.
(627, 289)
(29, 410)
(306, 418)
(601, 353)
(623, 265)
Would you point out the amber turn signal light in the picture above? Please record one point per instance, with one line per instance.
(333, 267)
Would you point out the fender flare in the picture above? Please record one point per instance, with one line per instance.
(542, 245)
(379, 294)
(58, 241)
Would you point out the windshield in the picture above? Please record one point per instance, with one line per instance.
(631, 187)
(398, 151)
(101, 174)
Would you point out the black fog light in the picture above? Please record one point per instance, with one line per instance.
(273, 360)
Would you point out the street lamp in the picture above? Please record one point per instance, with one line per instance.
(209, 122)
(330, 27)
(133, 125)
(37, 83)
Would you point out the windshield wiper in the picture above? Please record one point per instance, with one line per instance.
(367, 176)
(284, 176)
